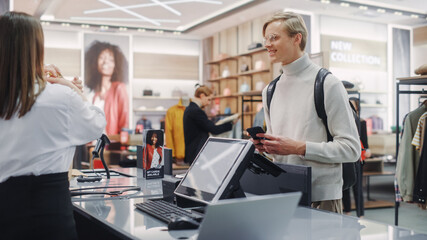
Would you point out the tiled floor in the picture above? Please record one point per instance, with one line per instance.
(409, 215)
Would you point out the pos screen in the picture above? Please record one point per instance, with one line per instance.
(214, 168)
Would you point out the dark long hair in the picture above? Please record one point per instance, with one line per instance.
(93, 79)
(159, 138)
(21, 63)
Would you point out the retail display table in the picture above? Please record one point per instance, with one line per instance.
(119, 219)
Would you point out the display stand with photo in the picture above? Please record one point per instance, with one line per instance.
(152, 158)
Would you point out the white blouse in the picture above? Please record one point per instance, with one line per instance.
(43, 140)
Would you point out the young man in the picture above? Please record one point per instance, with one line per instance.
(296, 135)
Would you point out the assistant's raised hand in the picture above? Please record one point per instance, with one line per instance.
(54, 76)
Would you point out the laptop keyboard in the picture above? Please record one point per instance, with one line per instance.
(166, 211)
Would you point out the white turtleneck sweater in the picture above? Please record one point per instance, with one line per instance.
(293, 114)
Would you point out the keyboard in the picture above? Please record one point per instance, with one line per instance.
(166, 211)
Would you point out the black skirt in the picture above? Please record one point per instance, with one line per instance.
(36, 207)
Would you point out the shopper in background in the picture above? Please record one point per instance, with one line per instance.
(197, 126)
(41, 123)
(106, 76)
(296, 135)
(366, 153)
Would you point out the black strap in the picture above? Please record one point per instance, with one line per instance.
(319, 99)
(270, 90)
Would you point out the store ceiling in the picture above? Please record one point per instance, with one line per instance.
(204, 17)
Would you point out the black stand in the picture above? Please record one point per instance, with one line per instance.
(100, 145)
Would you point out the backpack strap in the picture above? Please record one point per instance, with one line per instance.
(319, 99)
(270, 91)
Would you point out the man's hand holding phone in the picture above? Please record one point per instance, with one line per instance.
(257, 134)
(275, 145)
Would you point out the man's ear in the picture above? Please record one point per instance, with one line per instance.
(298, 39)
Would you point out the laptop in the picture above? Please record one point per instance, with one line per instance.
(251, 218)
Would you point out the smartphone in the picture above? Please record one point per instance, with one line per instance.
(254, 130)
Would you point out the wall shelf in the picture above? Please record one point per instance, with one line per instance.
(253, 51)
(248, 73)
(155, 98)
(373, 105)
(155, 111)
(238, 101)
(222, 78)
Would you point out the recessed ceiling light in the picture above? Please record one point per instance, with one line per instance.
(104, 27)
(380, 10)
(344, 4)
(177, 33)
(325, 1)
(141, 30)
(85, 26)
(363, 7)
(123, 29)
(398, 13)
(414, 16)
(159, 31)
(65, 24)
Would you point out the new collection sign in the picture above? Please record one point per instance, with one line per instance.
(355, 53)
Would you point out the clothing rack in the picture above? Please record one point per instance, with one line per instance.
(408, 81)
(251, 96)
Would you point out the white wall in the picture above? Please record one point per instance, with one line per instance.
(374, 84)
(63, 39)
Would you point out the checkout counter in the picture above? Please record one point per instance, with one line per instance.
(115, 217)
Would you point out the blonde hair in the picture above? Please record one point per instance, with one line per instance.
(202, 89)
(292, 24)
(21, 63)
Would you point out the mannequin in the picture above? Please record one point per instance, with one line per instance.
(185, 101)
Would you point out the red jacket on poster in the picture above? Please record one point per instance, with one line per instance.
(116, 108)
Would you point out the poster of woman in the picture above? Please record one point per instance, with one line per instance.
(153, 153)
(106, 72)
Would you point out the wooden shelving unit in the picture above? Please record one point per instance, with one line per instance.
(238, 101)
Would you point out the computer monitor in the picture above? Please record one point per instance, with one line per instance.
(216, 171)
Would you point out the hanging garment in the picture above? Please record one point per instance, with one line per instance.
(259, 118)
(408, 157)
(146, 123)
(418, 139)
(174, 130)
(420, 185)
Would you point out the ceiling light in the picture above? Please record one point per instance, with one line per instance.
(414, 16)
(45, 23)
(344, 4)
(123, 29)
(380, 10)
(85, 26)
(325, 1)
(177, 33)
(159, 31)
(363, 7)
(129, 12)
(398, 13)
(65, 24)
(104, 27)
(47, 17)
(165, 6)
(141, 30)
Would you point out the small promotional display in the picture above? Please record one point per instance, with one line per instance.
(152, 155)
